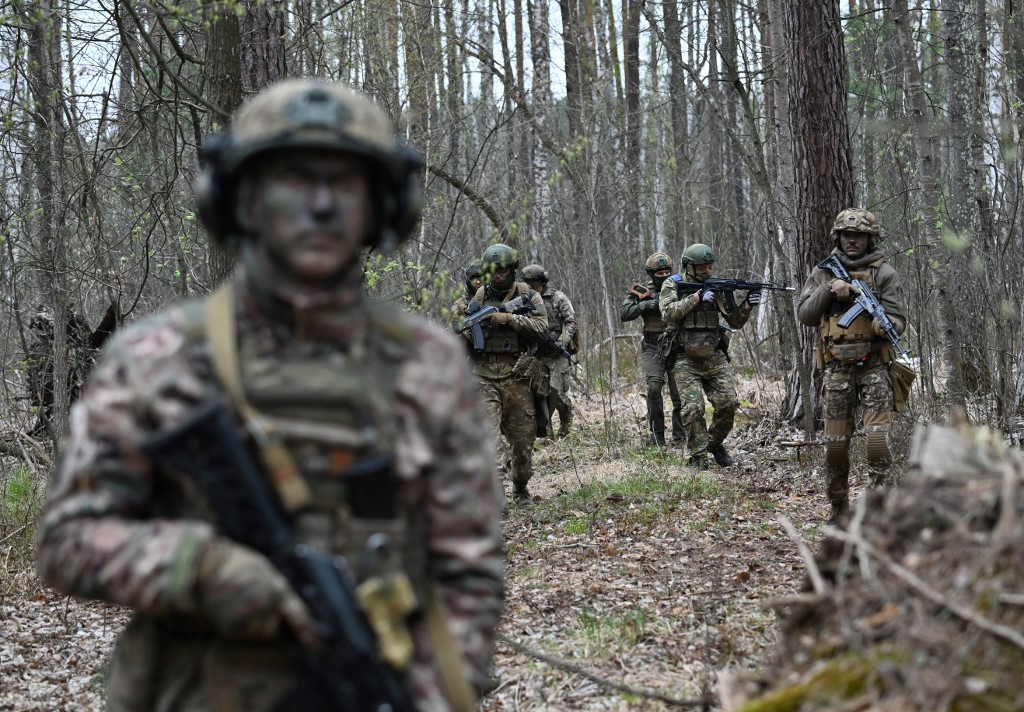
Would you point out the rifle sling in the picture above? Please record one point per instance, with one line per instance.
(221, 331)
(222, 334)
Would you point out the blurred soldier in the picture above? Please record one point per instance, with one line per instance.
(856, 359)
(365, 419)
(508, 370)
(556, 370)
(474, 280)
(703, 365)
(659, 353)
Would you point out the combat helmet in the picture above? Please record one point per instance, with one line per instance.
(534, 273)
(856, 220)
(698, 254)
(310, 113)
(473, 271)
(658, 261)
(500, 256)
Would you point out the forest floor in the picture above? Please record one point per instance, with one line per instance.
(629, 568)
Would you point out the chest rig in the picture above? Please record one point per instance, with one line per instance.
(653, 323)
(322, 421)
(699, 330)
(855, 343)
(501, 342)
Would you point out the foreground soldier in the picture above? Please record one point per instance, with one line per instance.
(856, 359)
(366, 416)
(507, 369)
(556, 370)
(703, 366)
(657, 358)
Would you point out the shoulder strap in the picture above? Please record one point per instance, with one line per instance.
(222, 334)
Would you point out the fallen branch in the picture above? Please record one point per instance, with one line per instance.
(704, 703)
(817, 581)
(908, 577)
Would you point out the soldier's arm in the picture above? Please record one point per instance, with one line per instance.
(814, 299)
(533, 325)
(891, 295)
(673, 307)
(568, 315)
(98, 536)
(462, 499)
(738, 316)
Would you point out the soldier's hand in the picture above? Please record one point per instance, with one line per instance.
(753, 298)
(706, 295)
(243, 595)
(876, 327)
(499, 318)
(842, 290)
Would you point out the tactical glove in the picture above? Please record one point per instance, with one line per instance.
(243, 595)
(706, 295)
(753, 298)
(499, 318)
(843, 290)
(876, 327)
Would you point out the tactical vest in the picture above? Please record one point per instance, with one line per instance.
(555, 322)
(502, 342)
(653, 323)
(699, 330)
(855, 343)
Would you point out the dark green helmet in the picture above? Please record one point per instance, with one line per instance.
(474, 270)
(500, 256)
(698, 254)
(534, 273)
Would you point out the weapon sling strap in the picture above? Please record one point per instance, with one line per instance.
(221, 332)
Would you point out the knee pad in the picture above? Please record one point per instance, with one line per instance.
(878, 448)
(837, 453)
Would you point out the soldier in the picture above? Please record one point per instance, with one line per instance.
(474, 280)
(657, 357)
(856, 359)
(506, 366)
(367, 421)
(556, 370)
(703, 365)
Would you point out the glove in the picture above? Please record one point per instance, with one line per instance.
(753, 298)
(243, 595)
(499, 318)
(843, 290)
(876, 326)
(706, 295)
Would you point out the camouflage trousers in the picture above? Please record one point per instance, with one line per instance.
(711, 376)
(656, 372)
(554, 398)
(845, 388)
(509, 403)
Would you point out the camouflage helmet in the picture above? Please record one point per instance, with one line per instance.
(657, 261)
(312, 114)
(698, 254)
(534, 273)
(499, 256)
(856, 220)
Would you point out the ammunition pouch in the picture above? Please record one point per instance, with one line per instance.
(848, 353)
(528, 368)
(902, 380)
(700, 344)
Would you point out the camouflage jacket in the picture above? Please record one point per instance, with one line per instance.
(816, 299)
(119, 529)
(561, 319)
(674, 307)
(523, 331)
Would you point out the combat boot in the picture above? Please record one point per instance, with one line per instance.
(722, 457)
(657, 438)
(838, 510)
(521, 495)
(699, 461)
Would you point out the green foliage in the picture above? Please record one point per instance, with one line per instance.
(618, 630)
(19, 495)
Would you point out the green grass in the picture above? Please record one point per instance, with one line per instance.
(19, 496)
(605, 632)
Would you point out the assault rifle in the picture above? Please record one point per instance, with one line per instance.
(864, 301)
(348, 672)
(727, 286)
(476, 315)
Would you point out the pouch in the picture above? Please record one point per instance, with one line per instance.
(902, 379)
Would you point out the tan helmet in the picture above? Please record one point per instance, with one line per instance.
(657, 261)
(310, 113)
(856, 220)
